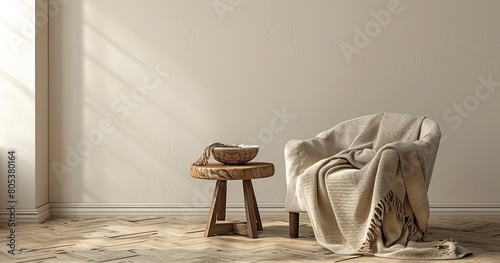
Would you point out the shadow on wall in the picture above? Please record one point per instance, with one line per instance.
(17, 104)
(115, 116)
(111, 119)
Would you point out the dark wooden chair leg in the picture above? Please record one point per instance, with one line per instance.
(294, 224)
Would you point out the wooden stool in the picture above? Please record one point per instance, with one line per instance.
(222, 173)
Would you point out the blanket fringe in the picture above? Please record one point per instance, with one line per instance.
(390, 201)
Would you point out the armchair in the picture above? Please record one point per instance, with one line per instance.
(331, 142)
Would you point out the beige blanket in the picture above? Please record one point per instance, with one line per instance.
(372, 197)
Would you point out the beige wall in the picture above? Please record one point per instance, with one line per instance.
(139, 88)
(24, 107)
(42, 107)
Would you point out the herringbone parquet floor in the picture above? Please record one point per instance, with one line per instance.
(180, 239)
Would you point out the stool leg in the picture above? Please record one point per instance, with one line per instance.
(256, 208)
(221, 214)
(293, 224)
(218, 205)
(250, 206)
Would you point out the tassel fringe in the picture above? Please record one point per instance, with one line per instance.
(390, 201)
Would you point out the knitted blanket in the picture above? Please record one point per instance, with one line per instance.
(372, 197)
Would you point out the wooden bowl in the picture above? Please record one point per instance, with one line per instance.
(235, 154)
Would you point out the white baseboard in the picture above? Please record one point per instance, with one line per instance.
(46, 211)
(138, 209)
(43, 213)
(465, 209)
(28, 216)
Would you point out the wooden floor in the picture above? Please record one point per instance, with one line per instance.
(180, 239)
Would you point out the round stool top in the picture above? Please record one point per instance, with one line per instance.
(220, 171)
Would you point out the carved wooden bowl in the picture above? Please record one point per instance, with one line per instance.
(235, 154)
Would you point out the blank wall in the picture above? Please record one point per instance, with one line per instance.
(139, 88)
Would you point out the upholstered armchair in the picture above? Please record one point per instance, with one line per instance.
(331, 142)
